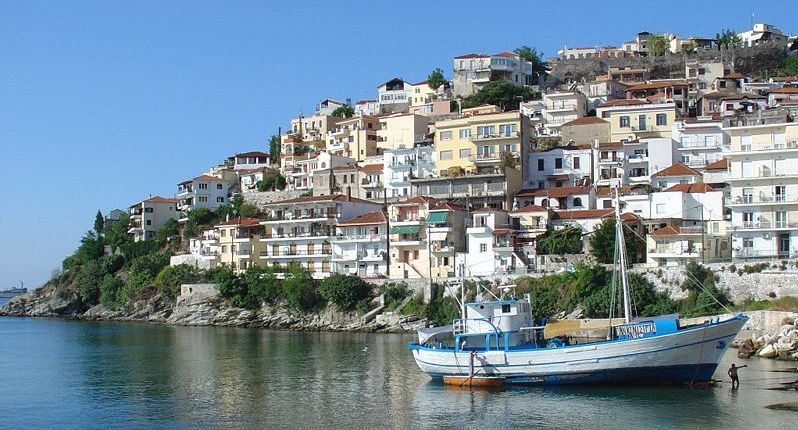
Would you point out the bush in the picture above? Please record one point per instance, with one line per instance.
(142, 274)
(567, 240)
(344, 290)
(263, 285)
(363, 306)
(170, 277)
(112, 263)
(110, 292)
(238, 292)
(301, 291)
(395, 293)
(755, 268)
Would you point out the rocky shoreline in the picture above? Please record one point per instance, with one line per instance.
(212, 312)
(782, 345)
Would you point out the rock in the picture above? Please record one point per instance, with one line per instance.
(785, 329)
(746, 349)
(769, 351)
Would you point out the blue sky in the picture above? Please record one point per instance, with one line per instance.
(104, 103)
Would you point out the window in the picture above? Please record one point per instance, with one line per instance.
(748, 242)
(220, 199)
(624, 121)
(219, 186)
(702, 85)
(465, 153)
(747, 169)
(577, 202)
(222, 233)
(701, 71)
(445, 155)
(224, 248)
(660, 208)
(148, 210)
(506, 129)
(729, 107)
(641, 122)
(662, 119)
(149, 222)
(483, 247)
(576, 162)
(202, 199)
(505, 308)
(722, 84)
(203, 186)
(486, 130)
(446, 135)
(558, 163)
(465, 133)
(541, 164)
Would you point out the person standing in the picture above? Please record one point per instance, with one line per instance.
(733, 375)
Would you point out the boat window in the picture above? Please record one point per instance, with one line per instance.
(505, 309)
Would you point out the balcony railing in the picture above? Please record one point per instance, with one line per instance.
(292, 217)
(296, 252)
(789, 144)
(291, 235)
(762, 198)
(491, 136)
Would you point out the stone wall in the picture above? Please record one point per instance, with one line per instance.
(260, 199)
(191, 260)
(415, 285)
(191, 294)
(740, 286)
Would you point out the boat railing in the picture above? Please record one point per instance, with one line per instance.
(460, 326)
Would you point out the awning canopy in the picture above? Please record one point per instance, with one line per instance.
(404, 229)
(441, 235)
(425, 334)
(437, 217)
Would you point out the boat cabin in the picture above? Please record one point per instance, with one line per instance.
(495, 325)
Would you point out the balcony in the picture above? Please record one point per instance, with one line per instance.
(673, 252)
(272, 237)
(295, 253)
(495, 136)
(761, 199)
(359, 238)
(756, 253)
(787, 146)
(561, 107)
(490, 157)
(637, 158)
(698, 144)
(407, 240)
(305, 217)
(371, 183)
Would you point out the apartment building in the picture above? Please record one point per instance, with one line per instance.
(783, 96)
(628, 75)
(372, 182)
(473, 71)
(402, 130)
(203, 191)
(147, 216)
(203, 250)
(248, 178)
(298, 231)
(360, 246)
(730, 104)
(328, 106)
(476, 141)
(559, 166)
(699, 141)
(446, 230)
(662, 91)
(421, 94)
(763, 33)
(367, 107)
(238, 243)
(700, 74)
(561, 107)
(763, 184)
(481, 188)
(395, 95)
(354, 138)
(250, 160)
(302, 176)
(677, 174)
(343, 179)
(632, 162)
(602, 90)
(409, 251)
(405, 163)
(635, 119)
(561, 198)
(491, 245)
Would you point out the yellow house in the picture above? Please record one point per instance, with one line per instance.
(421, 93)
(354, 138)
(401, 130)
(632, 119)
(476, 141)
(239, 243)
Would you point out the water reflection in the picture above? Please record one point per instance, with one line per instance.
(66, 374)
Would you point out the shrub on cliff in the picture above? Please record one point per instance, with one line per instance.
(110, 292)
(344, 290)
(235, 289)
(300, 290)
(170, 277)
(142, 274)
(263, 285)
(87, 283)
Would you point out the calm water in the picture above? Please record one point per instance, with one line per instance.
(71, 374)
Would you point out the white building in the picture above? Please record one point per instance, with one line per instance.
(632, 162)
(559, 166)
(601, 91)
(299, 230)
(394, 95)
(699, 141)
(405, 163)
(360, 246)
(300, 177)
(367, 108)
(763, 162)
(575, 198)
(250, 160)
(561, 107)
(147, 216)
(204, 191)
(763, 33)
(473, 71)
(677, 174)
(486, 254)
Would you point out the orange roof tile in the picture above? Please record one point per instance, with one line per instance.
(785, 90)
(447, 206)
(586, 120)
(372, 168)
(677, 169)
(531, 208)
(159, 199)
(623, 102)
(241, 222)
(666, 231)
(690, 188)
(419, 200)
(325, 198)
(371, 218)
(657, 85)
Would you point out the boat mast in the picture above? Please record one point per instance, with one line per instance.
(621, 247)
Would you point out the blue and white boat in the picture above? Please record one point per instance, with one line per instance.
(498, 341)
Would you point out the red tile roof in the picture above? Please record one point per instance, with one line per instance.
(593, 214)
(470, 56)
(722, 164)
(505, 54)
(447, 206)
(344, 168)
(159, 199)
(677, 169)
(371, 218)
(419, 83)
(690, 188)
(666, 231)
(623, 102)
(586, 120)
(252, 154)
(420, 200)
(241, 222)
(657, 85)
(785, 90)
(785, 78)
(372, 168)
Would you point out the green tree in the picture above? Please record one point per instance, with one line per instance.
(237, 207)
(168, 230)
(539, 67)
(263, 285)
(170, 278)
(300, 290)
(658, 45)
(110, 289)
(274, 149)
(567, 240)
(87, 283)
(703, 296)
(344, 111)
(501, 93)
(344, 290)
(791, 65)
(602, 242)
(116, 234)
(436, 79)
(99, 222)
(728, 38)
(142, 274)
(91, 248)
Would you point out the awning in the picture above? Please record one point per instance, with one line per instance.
(437, 217)
(437, 236)
(404, 229)
(425, 334)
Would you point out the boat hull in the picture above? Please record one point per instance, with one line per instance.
(689, 355)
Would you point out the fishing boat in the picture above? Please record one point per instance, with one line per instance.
(497, 340)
